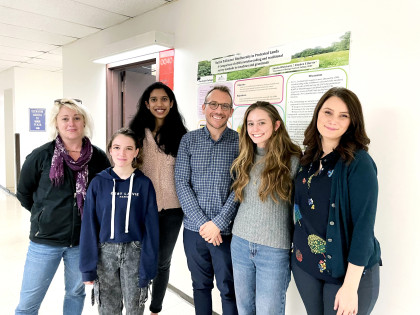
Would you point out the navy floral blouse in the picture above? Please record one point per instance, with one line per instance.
(312, 199)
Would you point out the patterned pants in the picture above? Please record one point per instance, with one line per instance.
(118, 278)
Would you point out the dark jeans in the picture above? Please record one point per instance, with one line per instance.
(318, 296)
(170, 221)
(206, 261)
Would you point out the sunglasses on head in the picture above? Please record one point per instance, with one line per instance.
(67, 101)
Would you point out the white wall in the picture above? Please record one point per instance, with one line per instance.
(34, 89)
(31, 89)
(6, 83)
(9, 140)
(383, 72)
(86, 80)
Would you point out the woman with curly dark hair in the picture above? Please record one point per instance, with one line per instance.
(336, 257)
(160, 127)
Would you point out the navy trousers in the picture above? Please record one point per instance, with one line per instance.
(206, 262)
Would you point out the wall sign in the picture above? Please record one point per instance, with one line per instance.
(166, 67)
(37, 119)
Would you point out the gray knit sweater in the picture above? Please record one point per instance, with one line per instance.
(265, 223)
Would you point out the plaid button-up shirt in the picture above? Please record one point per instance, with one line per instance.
(203, 181)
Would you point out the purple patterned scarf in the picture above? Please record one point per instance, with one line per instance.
(80, 167)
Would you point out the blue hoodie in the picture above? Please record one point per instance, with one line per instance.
(120, 211)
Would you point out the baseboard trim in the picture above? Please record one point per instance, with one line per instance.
(184, 296)
(7, 190)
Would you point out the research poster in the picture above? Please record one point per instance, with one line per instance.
(292, 77)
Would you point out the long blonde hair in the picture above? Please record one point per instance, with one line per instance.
(276, 181)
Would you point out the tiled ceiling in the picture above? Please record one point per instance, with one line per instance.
(32, 32)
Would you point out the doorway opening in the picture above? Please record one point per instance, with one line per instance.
(125, 85)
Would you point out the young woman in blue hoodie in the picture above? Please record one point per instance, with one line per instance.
(121, 216)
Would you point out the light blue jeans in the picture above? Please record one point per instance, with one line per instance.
(41, 264)
(261, 276)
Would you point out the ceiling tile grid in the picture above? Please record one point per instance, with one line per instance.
(32, 32)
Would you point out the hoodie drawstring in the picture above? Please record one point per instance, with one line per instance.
(127, 213)
(113, 211)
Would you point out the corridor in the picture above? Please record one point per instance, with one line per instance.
(14, 232)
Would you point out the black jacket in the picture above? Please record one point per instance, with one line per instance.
(55, 217)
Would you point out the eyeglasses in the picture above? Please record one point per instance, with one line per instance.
(67, 101)
(215, 105)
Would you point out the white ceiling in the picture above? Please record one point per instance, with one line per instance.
(33, 31)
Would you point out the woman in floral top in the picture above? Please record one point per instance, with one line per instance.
(336, 256)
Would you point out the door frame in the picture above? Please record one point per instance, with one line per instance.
(114, 110)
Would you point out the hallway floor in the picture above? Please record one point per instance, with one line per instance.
(14, 231)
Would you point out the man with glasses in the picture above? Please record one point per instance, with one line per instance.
(203, 181)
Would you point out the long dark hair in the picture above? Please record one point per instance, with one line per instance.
(355, 138)
(169, 135)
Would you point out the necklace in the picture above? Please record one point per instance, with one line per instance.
(73, 151)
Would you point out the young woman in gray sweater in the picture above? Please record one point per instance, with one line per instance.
(262, 231)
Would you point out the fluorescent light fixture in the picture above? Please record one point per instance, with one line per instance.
(143, 44)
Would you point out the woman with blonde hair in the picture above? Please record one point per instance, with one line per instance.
(52, 186)
(262, 230)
